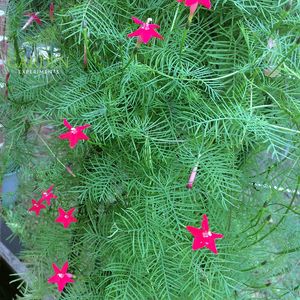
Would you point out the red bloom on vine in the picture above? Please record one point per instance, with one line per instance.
(192, 178)
(193, 4)
(51, 11)
(75, 134)
(33, 17)
(7, 76)
(146, 31)
(203, 237)
(6, 84)
(48, 195)
(37, 206)
(69, 170)
(66, 217)
(61, 277)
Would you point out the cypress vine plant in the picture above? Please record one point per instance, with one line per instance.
(202, 122)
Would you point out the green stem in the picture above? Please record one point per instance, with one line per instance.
(254, 267)
(287, 251)
(134, 53)
(17, 54)
(294, 289)
(280, 221)
(284, 58)
(257, 218)
(85, 47)
(229, 219)
(186, 30)
(191, 79)
(175, 17)
(54, 155)
(259, 230)
(286, 206)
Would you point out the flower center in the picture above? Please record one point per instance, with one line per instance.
(60, 275)
(45, 194)
(146, 25)
(73, 130)
(207, 234)
(66, 217)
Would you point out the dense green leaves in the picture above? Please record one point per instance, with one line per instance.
(226, 98)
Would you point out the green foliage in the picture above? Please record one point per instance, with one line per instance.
(221, 98)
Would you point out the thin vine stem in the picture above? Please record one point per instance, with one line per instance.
(53, 154)
(280, 221)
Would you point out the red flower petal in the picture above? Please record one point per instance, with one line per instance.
(75, 134)
(205, 3)
(66, 217)
(65, 267)
(67, 124)
(37, 19)
(137, 21)
(203, 237)
(145, 32)
(37, 206)
(204, 223)
(61, 277)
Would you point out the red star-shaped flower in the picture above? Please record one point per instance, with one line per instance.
(37, 206)
(193, 4)
(33, 17)
(75, 134)
(66, 217)
(146, 31)
(203, 237)
(48, 195)
(61, 277)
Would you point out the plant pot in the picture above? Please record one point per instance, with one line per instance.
(8, 290)
(10, 265)
(10, 185)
